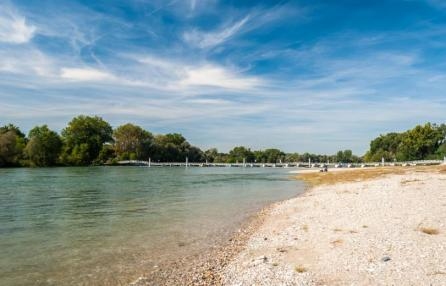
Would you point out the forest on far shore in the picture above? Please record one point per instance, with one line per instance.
(89, 140)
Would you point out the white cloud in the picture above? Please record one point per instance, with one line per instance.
(25, 60)
(211, 39)
(85, 74)
(216, 76)
(13, 27)
(174, 74)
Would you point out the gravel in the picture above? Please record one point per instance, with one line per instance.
(362, 233)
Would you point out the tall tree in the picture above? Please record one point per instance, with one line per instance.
(84, 138)
(12, 143)
(132, 142)
(44, 146)
(420, 143)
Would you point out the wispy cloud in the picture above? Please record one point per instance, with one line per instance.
(184, 75)
(13, 27)
(85, 74)
(25, 61)
(204, 39)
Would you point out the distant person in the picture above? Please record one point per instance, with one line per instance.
(324, 168)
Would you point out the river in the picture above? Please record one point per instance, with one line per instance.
(106, 225)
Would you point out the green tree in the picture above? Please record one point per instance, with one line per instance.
(211, 155)
(273, 155)
(420, 143)
(194, 154)
(84, 138)
(385, 146)
(44, 146)
(292, 157)
(107, 154)
(12, 143)
(239, 153)
(173, 147)
(131, 139)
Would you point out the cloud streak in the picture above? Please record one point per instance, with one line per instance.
(13, 27)
(204, 40)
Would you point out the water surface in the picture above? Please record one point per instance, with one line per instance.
(106, 225)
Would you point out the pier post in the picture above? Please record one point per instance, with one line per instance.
(309, 162)
(244, 162)
(150, 162)
(187, 161)
(382, 161)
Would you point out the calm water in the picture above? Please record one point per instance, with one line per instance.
(106, 225)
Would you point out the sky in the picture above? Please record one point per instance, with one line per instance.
(301, 76)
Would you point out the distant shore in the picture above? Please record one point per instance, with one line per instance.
(379, 226)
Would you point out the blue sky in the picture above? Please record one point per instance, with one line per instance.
(314, 76)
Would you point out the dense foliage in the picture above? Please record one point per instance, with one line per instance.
(84, 137)
(44, 146)
(132, 142)
(90, 140)
(12, 143)
(420, 143)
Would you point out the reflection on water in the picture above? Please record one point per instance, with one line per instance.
(102, 225)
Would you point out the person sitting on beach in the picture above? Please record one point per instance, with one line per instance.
(324, 168)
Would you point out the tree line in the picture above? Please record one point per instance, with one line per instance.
(423, 142)
(89, 140)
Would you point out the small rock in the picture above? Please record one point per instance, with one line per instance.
(265, 238)
(385, 259)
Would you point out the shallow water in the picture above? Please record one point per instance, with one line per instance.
(106, 225)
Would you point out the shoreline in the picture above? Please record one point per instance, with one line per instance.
(240, 260)
(366, 231)
(206, 268)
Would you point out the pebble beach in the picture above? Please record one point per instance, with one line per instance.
(388, 230)
(356, 227)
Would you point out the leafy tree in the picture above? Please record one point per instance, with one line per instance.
(43, 147)
(107, 155)
(173, 147)
(441, 151)
(385, 146)
(131, 139)
(269, 156)
(194, 154)
(211, 155)
(12, 127)
(168, 148)
(420, 143)
(12, 143)
(84, 138)
(239, 153)
(293, 157)
(345, 156)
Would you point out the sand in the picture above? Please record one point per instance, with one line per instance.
(389, 230)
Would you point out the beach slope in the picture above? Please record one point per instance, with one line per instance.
(381, 228)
